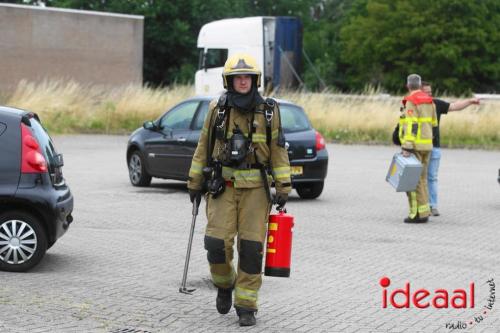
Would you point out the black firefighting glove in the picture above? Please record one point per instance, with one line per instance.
(280, 199)
(195, 195)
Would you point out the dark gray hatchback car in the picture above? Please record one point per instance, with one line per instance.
(164, 148)
(35, 201)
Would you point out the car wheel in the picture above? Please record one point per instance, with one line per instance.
(23, 241)
(137, 170)
(310, 190)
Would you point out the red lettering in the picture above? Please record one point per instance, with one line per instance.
(472, 295)
(459, 294)
(401, 298)
(384, 298)
(384, 282)
(406, 293)
(417, 298)
(443, 296)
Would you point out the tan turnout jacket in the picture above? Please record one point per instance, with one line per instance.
(243, 178)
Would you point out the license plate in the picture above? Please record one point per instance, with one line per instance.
(296, 170)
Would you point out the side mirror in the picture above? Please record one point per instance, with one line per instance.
(149, 125)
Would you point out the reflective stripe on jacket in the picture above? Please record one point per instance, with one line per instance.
(416, 122)
(244, 178)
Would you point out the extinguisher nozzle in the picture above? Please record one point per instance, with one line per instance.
(281, 209)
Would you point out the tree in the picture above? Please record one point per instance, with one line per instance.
(322, 43)
(171, 28)
(168, 27)
(455, 44)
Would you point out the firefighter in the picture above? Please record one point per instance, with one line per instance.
(418, 117)
(241, 150)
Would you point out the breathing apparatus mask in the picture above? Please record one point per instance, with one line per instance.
(239, 147)
(236, 149)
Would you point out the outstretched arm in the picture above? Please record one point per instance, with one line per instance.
(460, 105)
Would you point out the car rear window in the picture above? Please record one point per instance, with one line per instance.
(45, 142)
(180, 117)
(293, 119)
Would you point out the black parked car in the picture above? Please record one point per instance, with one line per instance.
(164, 148)
(35, 202)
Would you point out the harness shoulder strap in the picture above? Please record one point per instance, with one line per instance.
(221, 109)
(269, 113)
(220, 114)
(252, 127)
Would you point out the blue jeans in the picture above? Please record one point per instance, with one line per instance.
(432, 177)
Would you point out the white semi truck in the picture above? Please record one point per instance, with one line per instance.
(275, 43)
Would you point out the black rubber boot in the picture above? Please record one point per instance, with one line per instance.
(247, 317)
(224, 300)
(416, 219)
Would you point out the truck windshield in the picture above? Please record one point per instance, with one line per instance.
(213, 58)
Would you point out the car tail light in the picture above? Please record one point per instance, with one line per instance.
(32, 159)
(320, 142)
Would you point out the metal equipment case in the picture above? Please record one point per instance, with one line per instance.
(404, 173)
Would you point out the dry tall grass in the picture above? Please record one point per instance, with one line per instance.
(372, 118)
(70, 107)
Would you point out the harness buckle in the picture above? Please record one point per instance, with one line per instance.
(270, 102)
(269, 115)
(220, 118)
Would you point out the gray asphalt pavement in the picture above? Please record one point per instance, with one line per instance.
(119, 266)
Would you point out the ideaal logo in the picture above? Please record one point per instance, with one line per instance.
(439, 299)
(423, 298)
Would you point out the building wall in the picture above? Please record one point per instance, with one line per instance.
(89, 47)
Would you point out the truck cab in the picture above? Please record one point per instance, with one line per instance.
(274, 42)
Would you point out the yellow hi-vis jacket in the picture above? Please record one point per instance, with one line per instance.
(243, 178)
(417, 119)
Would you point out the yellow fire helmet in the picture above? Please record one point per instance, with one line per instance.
(240, 64)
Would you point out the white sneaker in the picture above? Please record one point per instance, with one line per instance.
(434, 212)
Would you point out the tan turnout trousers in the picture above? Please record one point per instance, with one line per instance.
(419, 200)
(242, 211)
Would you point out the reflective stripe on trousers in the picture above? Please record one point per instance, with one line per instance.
(242, 213)
(418, 200)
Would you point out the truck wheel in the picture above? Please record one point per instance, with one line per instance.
(310, 190)
(137, 170)
(23, 241)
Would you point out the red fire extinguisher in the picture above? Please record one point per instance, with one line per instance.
(279, 244)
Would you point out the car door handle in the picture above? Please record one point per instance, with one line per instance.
(181, 139)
